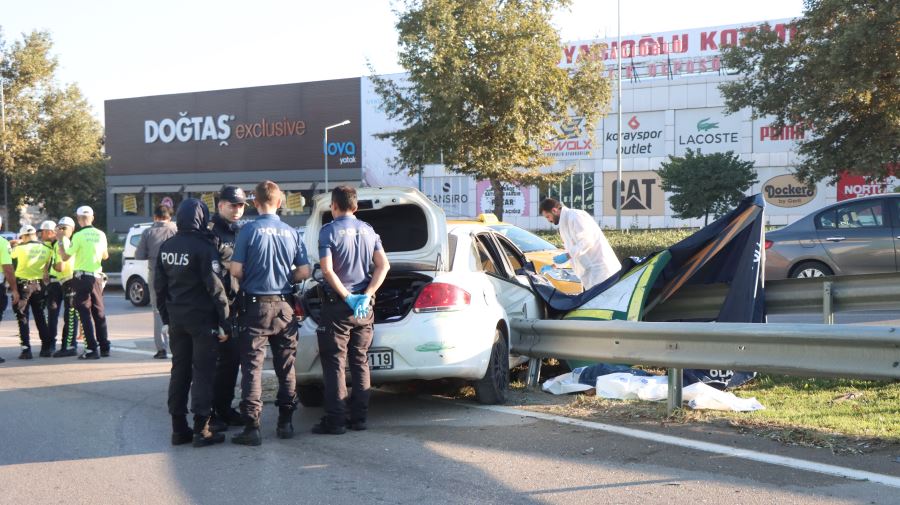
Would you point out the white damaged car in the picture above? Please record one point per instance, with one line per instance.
(444, 310)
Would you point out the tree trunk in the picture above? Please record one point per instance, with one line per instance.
(497, 186)
(706, 218)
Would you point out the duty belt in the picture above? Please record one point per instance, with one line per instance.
(249, 298)
(81, 273)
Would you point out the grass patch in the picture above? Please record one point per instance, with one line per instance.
(842, 415)
(627, 243)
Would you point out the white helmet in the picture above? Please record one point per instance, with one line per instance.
(27, 230)
(47, 225)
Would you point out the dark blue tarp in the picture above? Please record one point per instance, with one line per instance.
(727, 251)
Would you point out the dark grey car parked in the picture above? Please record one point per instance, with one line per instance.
(859, 236)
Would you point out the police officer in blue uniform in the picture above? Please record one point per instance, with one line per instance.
(348, 248)
(269, 257)
(191, 300)
(224, 225)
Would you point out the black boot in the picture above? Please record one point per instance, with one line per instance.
(202, 435)
(250, 435)
(181, 432)
(285, 428)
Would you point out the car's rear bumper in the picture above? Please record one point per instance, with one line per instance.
(424, 346)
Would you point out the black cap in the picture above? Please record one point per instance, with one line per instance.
(233, 194)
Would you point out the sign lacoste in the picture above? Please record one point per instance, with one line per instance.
(704, 125)
(707, 130)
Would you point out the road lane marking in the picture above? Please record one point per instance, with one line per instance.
(799, 464)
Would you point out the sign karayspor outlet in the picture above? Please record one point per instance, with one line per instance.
(643, 134)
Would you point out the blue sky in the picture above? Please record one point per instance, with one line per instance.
(119, 49)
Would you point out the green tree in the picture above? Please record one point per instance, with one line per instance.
(53, 145)
(839, 74)
(706, 184)
(484, 89)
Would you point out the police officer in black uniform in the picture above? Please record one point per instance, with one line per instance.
(192, 302)
(348, 248)
(269, 257)
(224, 225)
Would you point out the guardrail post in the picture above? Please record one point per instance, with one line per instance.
(676, 384)
(827, 303)
(534, 372)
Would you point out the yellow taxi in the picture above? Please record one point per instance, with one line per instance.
(536, 250)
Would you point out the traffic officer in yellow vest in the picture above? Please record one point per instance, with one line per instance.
(32, 258)
(89, 248)
(60, 293)
(7, 275)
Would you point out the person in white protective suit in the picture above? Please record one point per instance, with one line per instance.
(590, 253)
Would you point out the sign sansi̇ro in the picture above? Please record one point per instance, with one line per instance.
(787, 191)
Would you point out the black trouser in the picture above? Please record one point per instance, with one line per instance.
(344, 339)
(4, 300)
(227, 366)
(31, 294)
(259, 323)
(61, 296)
(89, 304)
(193, 367)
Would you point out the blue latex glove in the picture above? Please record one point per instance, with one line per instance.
(546, 268)
(362, 306)
(562, 258)
(352, 301)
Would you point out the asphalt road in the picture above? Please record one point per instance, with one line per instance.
(97, 432)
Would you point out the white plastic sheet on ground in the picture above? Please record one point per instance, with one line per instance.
(564, 384)
(624, 386)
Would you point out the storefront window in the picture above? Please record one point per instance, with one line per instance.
(170, 199)
(130, 204)
(575, 192)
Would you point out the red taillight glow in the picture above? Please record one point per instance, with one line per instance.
(769, 243)
(441, 296)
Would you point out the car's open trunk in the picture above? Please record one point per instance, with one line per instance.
(393, 301)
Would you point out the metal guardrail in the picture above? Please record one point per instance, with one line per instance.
(826, 350)
(790, 296)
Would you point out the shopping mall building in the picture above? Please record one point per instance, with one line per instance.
(167, 148)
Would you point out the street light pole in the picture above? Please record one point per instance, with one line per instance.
(618, 192)
(325, 146)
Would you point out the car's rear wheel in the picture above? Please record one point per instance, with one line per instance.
(809, 269)
(311, 395)
(138, 292)
(494, 386)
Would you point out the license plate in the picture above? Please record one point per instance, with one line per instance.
(381, 360)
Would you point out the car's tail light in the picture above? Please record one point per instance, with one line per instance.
(439, 296)
(769, 243)
(298, 310)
